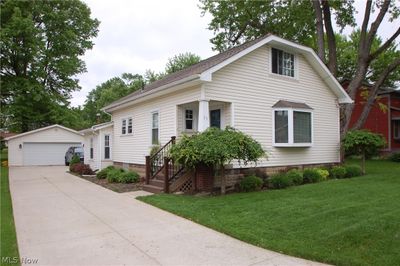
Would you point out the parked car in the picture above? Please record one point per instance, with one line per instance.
(71, 152)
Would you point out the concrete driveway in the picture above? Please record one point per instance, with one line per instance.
(65, 220)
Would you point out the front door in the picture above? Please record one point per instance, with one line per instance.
(215, 118)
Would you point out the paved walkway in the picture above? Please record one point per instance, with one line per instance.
(65, 220)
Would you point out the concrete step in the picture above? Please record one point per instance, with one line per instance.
(152, 189)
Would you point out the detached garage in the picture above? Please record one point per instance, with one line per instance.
(43, 146)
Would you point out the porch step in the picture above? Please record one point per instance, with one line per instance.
(152, 189)
(157, 183)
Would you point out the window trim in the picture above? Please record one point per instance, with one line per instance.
(126, 119)
(151, 127)
(295, 65)
(109, 147)
(291, 142)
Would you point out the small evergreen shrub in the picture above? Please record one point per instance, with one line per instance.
(296, 176)
(338, 172)
(102, 174)
(281, 180)
(250, 183)
(114, 175)
(395, 157)
(81, 169)
(128, 177)
(312, 175)
(353, 170)
(324, 173)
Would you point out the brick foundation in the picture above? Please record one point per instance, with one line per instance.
(204, 178)
(138, 168)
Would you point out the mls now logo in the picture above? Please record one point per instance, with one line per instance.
(15, 260)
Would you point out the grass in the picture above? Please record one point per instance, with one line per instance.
(9, 247)
(344, 222)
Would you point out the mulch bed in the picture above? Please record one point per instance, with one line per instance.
(117, 187)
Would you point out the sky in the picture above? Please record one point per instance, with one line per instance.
(135, 35)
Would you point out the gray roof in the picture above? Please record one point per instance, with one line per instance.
(194, 69)
(287, 104)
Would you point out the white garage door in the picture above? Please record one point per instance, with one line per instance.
(45, 153)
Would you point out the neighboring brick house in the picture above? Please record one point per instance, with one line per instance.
(384, 117)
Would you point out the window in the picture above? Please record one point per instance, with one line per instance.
(106, 146)
(282, 63)
(154, 128)
(396, 129)
(292, 127)
(123, 128)
(91, 148)
(126, 126)
(130, 126)
(189, 119)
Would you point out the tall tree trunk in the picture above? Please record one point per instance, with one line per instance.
(223, 180)
(320, 29)
(330, 36)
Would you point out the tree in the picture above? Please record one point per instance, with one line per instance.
(41, 45)
(310, 23)
(181, 61)
(108, 92)
(364, 143)
(215, 147)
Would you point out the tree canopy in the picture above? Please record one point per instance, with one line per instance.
(41, 45)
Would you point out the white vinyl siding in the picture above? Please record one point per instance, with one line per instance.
(134, 148)
(253, 90)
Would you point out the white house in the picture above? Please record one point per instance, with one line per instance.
(277, 91)
(43, 146)
(98, 145)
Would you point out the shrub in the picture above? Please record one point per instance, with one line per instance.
(324, 173)
(395, 157)
(281, 180)
(312, 175)
(128, 177)
(250, 183)
(82, 169)
(338, 172)
(353, 170)
(103, 173)
(114, 175)
(74, 160)
(296, 176)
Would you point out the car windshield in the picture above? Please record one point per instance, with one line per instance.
(78, 150)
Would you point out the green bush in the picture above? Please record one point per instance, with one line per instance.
(395, 157)
(114, 175)
(250, 183)
(338, 172)
(312, 175)
(324, 173)
(353, 170)
(279, 181)
(74, 160)
(103, 173)
(128, 177)
(296, 176)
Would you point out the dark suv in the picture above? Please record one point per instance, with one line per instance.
(71, 152)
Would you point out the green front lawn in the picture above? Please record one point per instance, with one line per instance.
(345, 222)
(8, 243)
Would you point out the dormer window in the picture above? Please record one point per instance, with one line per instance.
(282, 63)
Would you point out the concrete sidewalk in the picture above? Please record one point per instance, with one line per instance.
(62, 219)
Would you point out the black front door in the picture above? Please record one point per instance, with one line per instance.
(215, 118)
